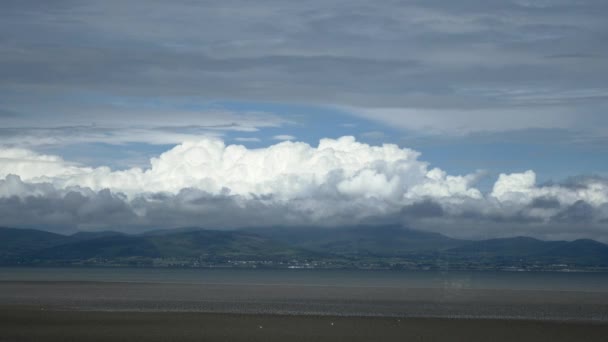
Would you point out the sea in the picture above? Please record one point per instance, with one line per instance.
(459, 294)
(547, 281)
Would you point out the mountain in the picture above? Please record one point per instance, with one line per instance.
(17, 242)
(189, 243)
(361, 246)
(582, 252)
(506, 247)
(106, 247)
(586, 252)
(83, 236)
(362, 240)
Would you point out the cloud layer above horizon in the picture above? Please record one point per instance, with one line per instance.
(152, 114)
(338, 182)
(431, 67)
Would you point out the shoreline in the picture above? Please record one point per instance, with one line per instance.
(282, 285)
(593, 269)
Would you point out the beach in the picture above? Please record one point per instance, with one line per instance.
(23, 324)
(300, 306)
(278, 299)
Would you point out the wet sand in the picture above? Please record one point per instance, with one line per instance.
(307, 300)
(23, 324)
(112, 311)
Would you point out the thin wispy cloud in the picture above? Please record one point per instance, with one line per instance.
(283, 137)
(241, 139)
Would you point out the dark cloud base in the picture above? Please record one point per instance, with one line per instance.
(82, 209)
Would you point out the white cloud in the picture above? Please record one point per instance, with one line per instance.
(459, 122)
(30, 165)
(119, 126)
(284, 137)
(286, 171)
(522, 188)
(515, 186)
(462, 122)
(340, 181)
(243, 139)
(289, 170)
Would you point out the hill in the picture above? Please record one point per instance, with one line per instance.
(362, 240)
(580, 252)
(213, 243)
(104, 247)
(361, 246)
(507, 247)
(15, 243)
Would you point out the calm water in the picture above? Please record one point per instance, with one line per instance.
(593, 282)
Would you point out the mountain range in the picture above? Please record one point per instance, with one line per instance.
(360, 246)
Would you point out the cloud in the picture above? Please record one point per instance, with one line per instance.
(462, 68)
(122, 125)
(460, 122)
(438, 68)
(426, 208)
(243, 139)
(286, 170)
(545, 203)
(578, 212)
(522, 188)
(338, 182)
(283, 137)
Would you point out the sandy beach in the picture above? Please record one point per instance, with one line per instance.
(124, 311)
(29, 324)
(278, 299)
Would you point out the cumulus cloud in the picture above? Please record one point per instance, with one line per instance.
(286, 171)
(522, 188)
(338, 182)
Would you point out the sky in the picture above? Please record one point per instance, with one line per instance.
(476, 119)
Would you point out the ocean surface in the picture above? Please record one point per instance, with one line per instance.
(549, 281)
(519, 295)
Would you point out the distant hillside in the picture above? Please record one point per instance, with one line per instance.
(196, 243)
(361, 246)
(18, 242)
(583, 252)
(362, 240)
(517, 246)
(28, 244)
(82, 236)
(106, 246)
